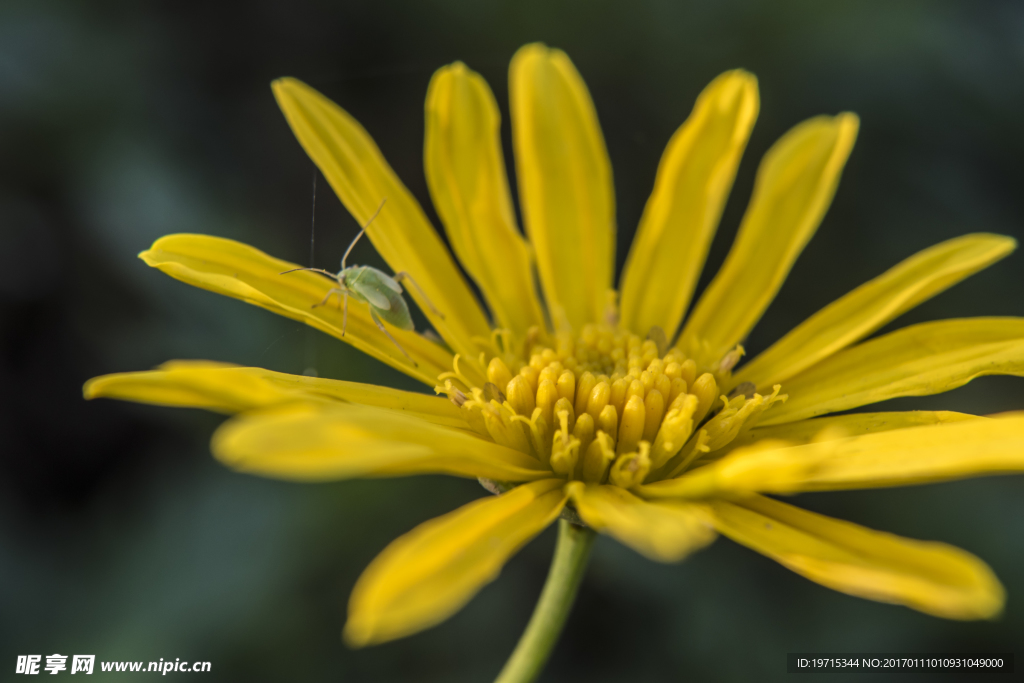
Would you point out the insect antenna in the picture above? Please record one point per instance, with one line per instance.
(315, 270)
(349, 250)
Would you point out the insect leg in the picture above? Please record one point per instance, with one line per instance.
(405, 276)
(330, 293)
(381, 327)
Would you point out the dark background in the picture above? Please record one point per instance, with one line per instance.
(123, 121)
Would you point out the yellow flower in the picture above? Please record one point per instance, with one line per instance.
(588, 398)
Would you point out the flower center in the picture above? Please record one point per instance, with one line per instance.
(604, 407)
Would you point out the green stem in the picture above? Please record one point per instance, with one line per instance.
(541, 634)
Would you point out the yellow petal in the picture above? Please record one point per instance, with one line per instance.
(662, 531)
(240, 271)
(466, 175)
(915, 361)
(321, 442)
(934, 578)
(901, 457)
(873, 304)
(679, 221)
(565, 184)
(229, 388)
(794, 187)
(362, 179)
(842, 426)
(428, 574)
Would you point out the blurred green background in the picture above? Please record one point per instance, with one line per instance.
(121, 122)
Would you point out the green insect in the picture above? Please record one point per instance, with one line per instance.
(376, 289)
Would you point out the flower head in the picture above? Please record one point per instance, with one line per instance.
(605, 402)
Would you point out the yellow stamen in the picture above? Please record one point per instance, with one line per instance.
(472, 413)
(675, 430)
(705, 388)
(677, 388)
(598, 458)
(496, 428)
(608, 421)
(584, 431)
(547, 395)
(540, 435)
(688, 371)
(604, 405)
(631, 469)
(521, 396)
(647, 380)
(654, 406)
(493, 393)
(530, 374)
(636, 388)
(551, 372)
(730, 359)
(586, 385)
(599, 396)
(674, 370)
(563, 406)
(567, 386)
(618, 395)
(564, 449)
(632, 427)
(498, 373)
